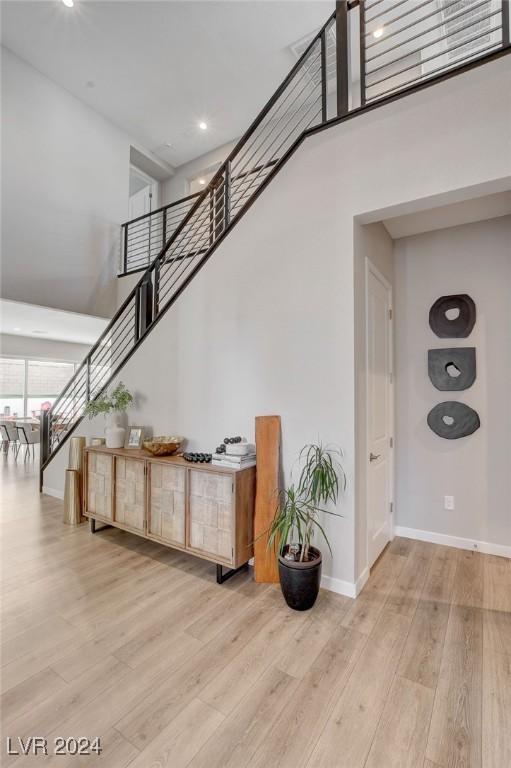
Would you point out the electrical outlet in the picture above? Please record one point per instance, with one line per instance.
(448, 502)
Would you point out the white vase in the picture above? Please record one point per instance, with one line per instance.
(114, 433)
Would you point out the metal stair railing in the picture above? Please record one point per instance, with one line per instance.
(143, 238)
(314, 95)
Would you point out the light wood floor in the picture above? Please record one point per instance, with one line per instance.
(112, 636)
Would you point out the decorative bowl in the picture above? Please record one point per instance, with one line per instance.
(163, 445)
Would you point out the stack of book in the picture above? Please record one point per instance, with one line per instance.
(237, 456)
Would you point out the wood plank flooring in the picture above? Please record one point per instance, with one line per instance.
(117, 637)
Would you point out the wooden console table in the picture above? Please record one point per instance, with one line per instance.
(197, 508)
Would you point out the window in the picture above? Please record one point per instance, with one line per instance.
(29, 386)
(45, 380)
(12, 386)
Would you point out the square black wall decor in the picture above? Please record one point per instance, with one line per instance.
(452, 369)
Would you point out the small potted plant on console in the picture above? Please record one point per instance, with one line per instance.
(112, 406)
(296, 521)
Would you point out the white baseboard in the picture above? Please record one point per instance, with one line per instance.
(339, 586)
(485, 547)
(57, 493)
(346, 588)
(362, 579)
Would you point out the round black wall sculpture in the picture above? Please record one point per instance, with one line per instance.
(460, 326)
(453, 420)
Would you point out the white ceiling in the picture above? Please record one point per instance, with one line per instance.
(19, 319)
(158, 68)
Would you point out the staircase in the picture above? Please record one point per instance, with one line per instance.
(402, 46)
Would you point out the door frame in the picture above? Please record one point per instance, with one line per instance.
(371, 267)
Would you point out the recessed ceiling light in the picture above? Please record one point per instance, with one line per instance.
(202, 182)
(16, 329)
(203, 126)
(168, 144)
(68, 3)
(378, 32)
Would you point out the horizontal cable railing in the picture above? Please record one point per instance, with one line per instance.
(402, 43)
(143, 238)
(405, 43)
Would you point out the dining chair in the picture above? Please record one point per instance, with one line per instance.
(4, 435)
(9, 438)
(28, 438)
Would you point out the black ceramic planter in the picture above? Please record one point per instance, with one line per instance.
(300, 581)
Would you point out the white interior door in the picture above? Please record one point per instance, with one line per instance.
(144, 236)
(143, 193)
(140, 202)
(379, 411)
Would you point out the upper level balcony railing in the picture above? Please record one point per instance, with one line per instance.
(403, 43)
(143, 238)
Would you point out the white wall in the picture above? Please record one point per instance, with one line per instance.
(268, 326)
(473, 259)
(65, 181)
(42, 349)
(125, 285)
(178, 185)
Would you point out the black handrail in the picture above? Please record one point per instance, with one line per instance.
(162, 208)
(241, 178)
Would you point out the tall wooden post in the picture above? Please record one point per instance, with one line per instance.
(267, 435)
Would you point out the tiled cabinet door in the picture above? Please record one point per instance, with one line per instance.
(99, 484)
(166, 516)
(129, 492)
(211, 514)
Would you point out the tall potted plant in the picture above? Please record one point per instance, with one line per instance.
(296, 521)
(112, 406)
